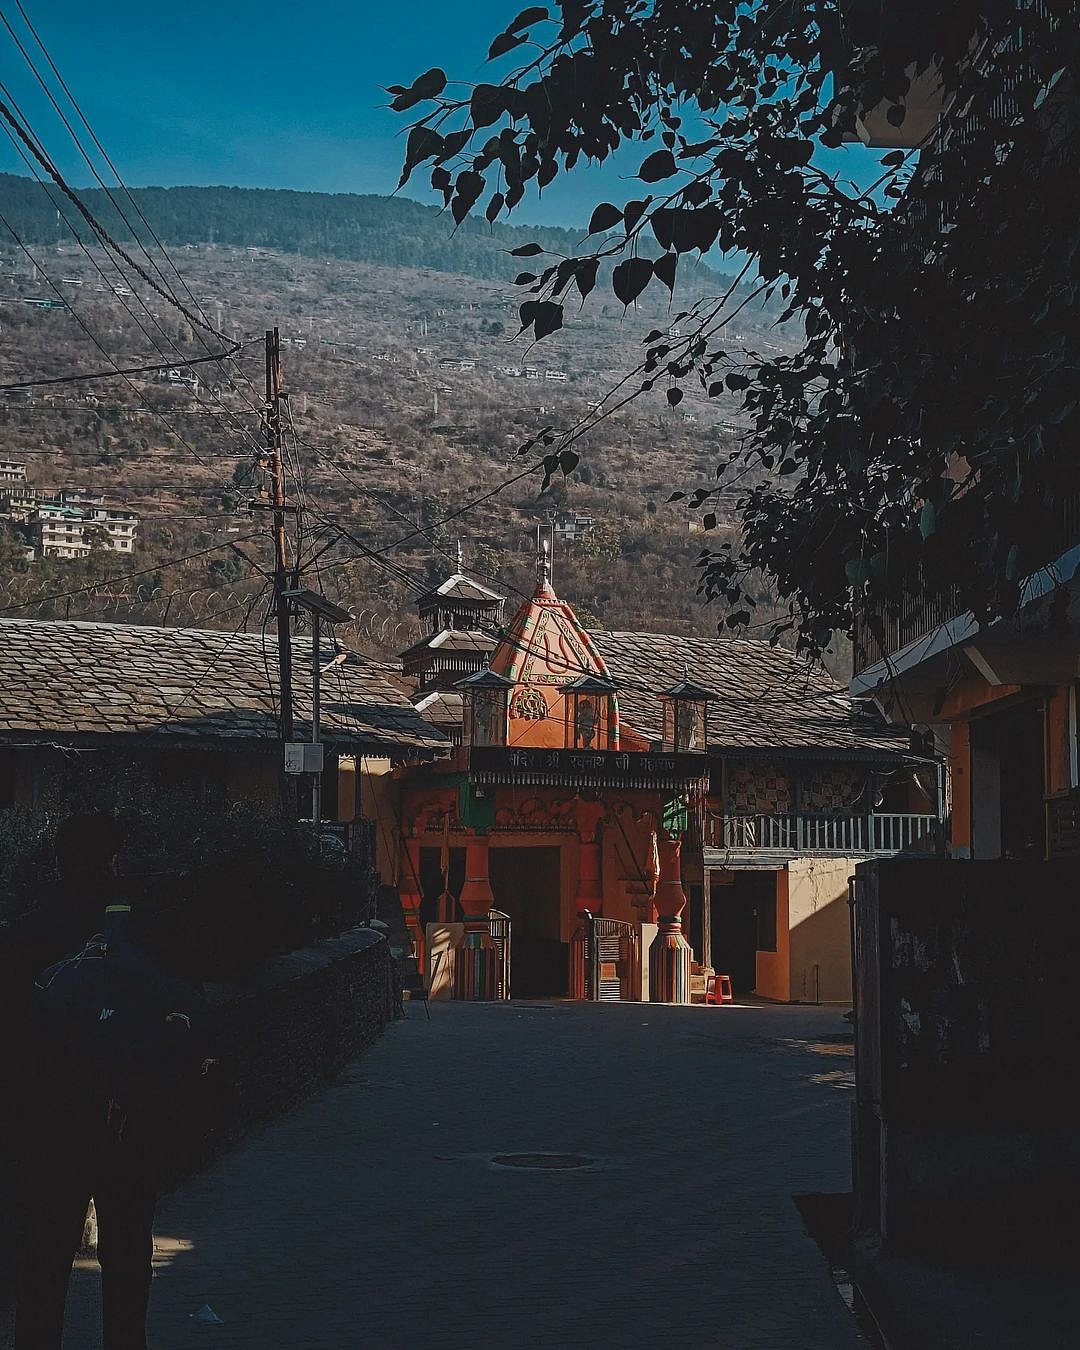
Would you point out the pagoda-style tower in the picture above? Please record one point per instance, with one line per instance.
(456, 613)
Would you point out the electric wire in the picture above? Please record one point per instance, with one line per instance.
(170, 362)
(126, 576)
(124, 277)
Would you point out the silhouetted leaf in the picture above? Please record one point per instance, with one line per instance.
(487, 105)
(427, 86)
(664, 270)
(505, 42)
(527, 17)
(422, 144)
(605, 217)
(659, 165)
(630, 278)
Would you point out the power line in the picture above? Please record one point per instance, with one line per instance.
(244, 432)
(97, 343)
(124, 370)
(104, 154)
(95, 225)
(172, 363)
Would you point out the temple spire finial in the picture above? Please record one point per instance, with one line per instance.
(543, 555)
(460, 557)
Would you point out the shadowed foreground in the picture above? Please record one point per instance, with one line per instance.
(374, 1216)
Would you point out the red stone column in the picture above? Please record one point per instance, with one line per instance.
(409, 891)
(590, 886)
(474, 960)
(669, 955)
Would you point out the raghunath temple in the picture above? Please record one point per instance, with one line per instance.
(628, 815)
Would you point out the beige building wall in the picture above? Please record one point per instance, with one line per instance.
(378, 803)
(820, 929)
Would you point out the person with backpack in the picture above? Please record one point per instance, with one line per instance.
(111, 1053)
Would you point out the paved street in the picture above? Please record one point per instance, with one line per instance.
(373, 1217)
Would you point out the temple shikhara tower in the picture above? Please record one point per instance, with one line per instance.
(625, 814)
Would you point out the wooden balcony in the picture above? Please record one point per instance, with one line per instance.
(869, 835)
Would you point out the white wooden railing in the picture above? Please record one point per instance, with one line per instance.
(887, 833)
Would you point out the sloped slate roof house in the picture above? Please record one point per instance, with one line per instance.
(200, 705)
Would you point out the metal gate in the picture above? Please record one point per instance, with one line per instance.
(612, 959)
(500, 935)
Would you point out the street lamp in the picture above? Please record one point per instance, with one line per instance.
(686, 716)
(589, 712)
(487, 694)
(319, 608)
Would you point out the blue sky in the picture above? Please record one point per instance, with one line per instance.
(268, 94)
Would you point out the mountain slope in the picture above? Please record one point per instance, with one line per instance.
(384, 231)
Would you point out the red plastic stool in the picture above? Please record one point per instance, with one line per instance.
(718, 989)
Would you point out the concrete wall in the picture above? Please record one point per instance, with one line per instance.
(774, 968)
(966, 1128)
(820, 929)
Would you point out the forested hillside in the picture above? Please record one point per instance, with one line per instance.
(409, 400)
(385, 231)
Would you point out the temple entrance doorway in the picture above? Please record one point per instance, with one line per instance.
(527, 884)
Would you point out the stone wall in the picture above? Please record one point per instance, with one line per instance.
(284, 1033)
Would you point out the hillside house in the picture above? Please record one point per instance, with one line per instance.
(571, 526)
(12, 473)
(637, 776)
(180, 377)
(68, 525)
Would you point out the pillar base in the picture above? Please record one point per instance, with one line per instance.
(669, 963)
(475, 963)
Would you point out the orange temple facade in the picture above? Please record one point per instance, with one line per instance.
(595, 780)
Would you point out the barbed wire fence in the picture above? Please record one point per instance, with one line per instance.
(179, 608)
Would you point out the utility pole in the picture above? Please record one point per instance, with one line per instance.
(281, 556)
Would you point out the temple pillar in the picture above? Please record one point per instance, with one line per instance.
(670, 954)
(411, 896)
(474, 960)
(590, 886)
(589, 894)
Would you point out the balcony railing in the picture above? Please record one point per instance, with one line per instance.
(844, 835)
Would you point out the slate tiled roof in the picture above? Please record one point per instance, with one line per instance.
(452, 640)
(767, 698)
(461, 587)
(69, 680)
(442, 708)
